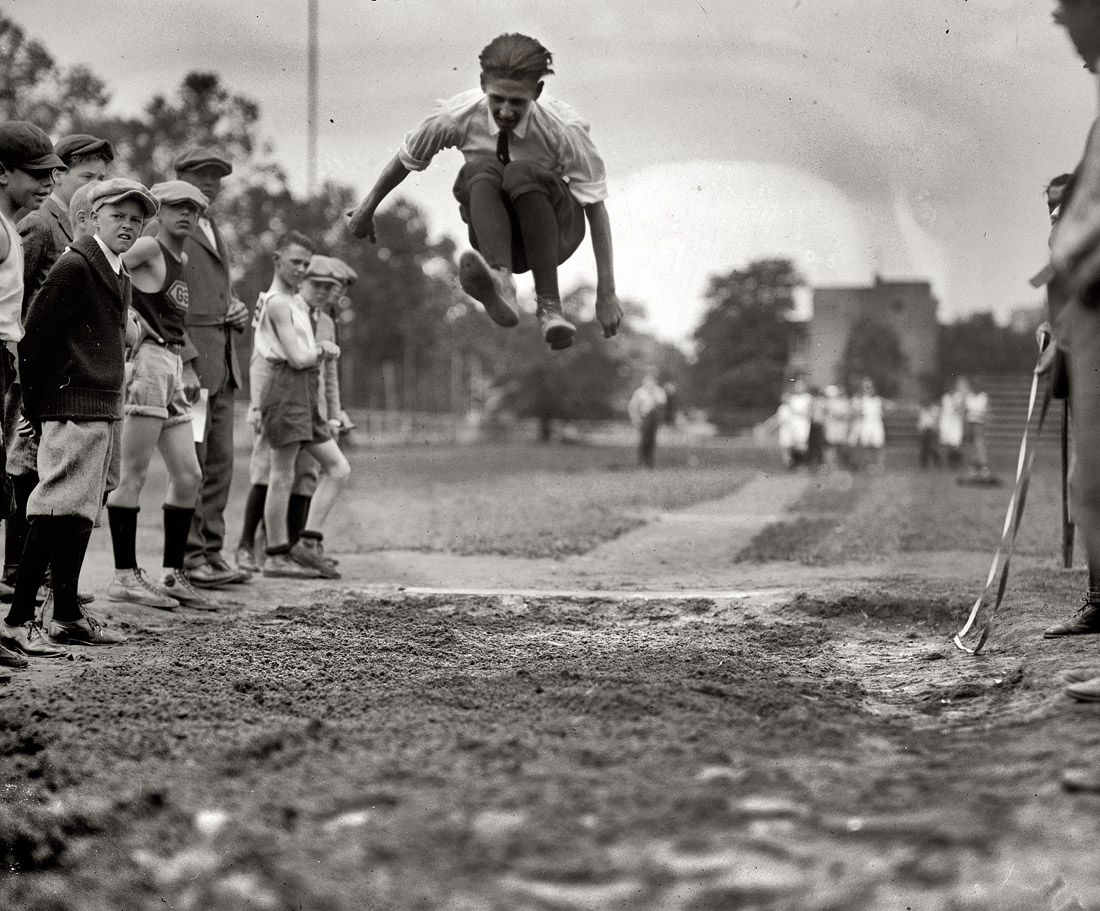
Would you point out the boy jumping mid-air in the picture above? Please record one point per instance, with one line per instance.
(531, 178)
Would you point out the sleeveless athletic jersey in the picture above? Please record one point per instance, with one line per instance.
(164, 310)
(266, 343)
(11, 285)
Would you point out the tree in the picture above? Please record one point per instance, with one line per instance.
(741, 343)
(33, 87)
(589, 381)
(873, 350)
(977, 345)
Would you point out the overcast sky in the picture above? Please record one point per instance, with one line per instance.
(911, 139)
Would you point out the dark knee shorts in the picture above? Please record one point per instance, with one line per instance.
(514, 180)
(290, 410)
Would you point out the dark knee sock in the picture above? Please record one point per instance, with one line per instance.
(123, 523)
(539, 227)
(253, 515)
(296, 514)
(177, 525)
(491, 222)
(1094, 585)
(15, 532)
(32, 568)
(70, 543)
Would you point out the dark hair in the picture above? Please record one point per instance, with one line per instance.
(516, 56)
(295, 237)
(1063, 182)
(105, 154)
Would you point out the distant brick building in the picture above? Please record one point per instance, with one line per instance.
(908, 307)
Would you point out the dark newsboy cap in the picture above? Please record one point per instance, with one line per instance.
(82, 144)
(199, 157)
(27, 147)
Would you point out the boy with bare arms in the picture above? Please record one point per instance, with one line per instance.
(157, 412)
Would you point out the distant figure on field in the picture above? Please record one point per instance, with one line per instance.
(646, 409)
(928, 426)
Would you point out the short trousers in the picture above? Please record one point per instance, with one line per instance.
(515, 179)
(306, 468)
(74, 459)
(290, 408)
(155, 388)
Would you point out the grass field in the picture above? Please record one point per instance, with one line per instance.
(821, 746)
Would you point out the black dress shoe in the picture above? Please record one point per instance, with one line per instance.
(1085, 621)
(206, 576)
(219, 563)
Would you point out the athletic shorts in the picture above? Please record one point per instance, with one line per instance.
(74, 460)
(290, 408)
(155, 388)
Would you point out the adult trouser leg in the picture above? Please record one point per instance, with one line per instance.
(216, 458)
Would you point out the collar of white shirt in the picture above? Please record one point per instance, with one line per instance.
(112, 257)
(520, 129)
(208, 229)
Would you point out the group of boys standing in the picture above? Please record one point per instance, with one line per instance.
(533, 184)
(117, 315)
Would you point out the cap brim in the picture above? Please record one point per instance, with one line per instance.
(44, 163)
(148, 203)
(225, 168)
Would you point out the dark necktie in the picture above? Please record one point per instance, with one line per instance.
(502, 147)
(125, 287)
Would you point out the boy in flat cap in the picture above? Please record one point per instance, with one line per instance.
(27, 166)
(71, 363)
(46, 232)
(532, 177)
(214, 316)
(157, 409)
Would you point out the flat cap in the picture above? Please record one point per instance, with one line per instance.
(173, 191)
(68, 147)
(199, 157)
(324, 269)
(27, 147)
(350, 276)
(117, 189)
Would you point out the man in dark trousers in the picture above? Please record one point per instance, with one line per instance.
(215, 315)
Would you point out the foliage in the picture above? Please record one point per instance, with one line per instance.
(589, 381)
(977, 345)
(741, 344)
(873, 350)
(33, 87)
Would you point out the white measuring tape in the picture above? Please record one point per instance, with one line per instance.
(980, 621)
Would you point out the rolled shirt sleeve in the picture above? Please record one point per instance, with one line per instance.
(582, 166)
(439, 130)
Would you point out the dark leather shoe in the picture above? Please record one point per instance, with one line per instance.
(221, 564)
(1086, 620)
(206, 576)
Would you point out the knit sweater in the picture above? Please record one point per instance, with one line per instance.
(72, 357)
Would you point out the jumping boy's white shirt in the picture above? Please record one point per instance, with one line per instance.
(551, 134)
(11, 285)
